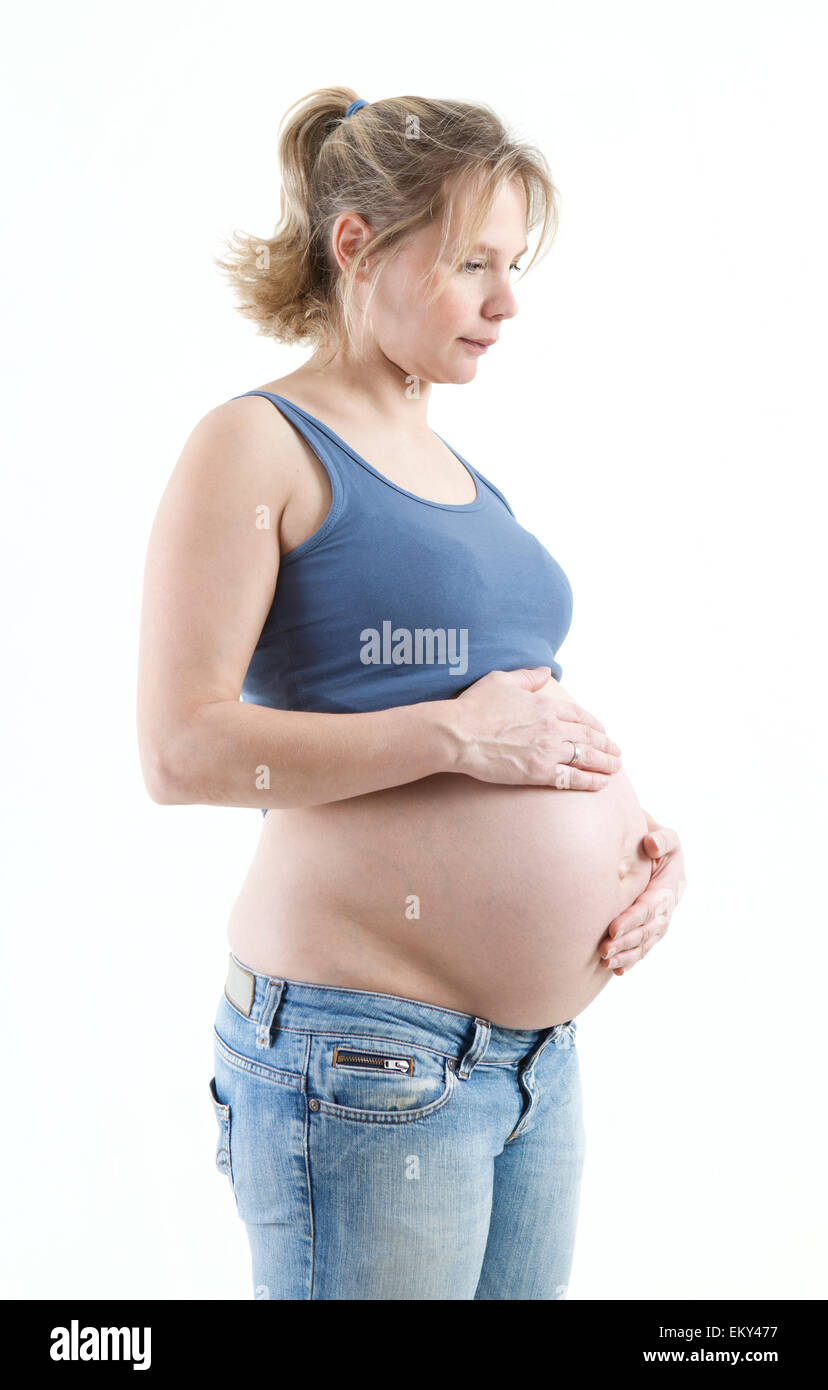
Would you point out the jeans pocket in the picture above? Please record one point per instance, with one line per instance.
(222, 1114)
(376, 1079)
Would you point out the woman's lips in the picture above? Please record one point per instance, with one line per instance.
(475, 345)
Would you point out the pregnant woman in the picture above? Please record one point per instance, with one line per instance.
(452, 861)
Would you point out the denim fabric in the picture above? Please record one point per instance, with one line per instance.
(382, 1148)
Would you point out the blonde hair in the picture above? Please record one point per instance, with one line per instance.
(401, 164)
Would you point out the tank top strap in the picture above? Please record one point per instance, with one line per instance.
(329, 454)
(491, 485)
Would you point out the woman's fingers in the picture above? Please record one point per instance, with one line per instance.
(664, 839)
(589, 729)
(630, 954)
(596, 751)
(629, 949)
(639, 928)
(577, 779)
(632, 947)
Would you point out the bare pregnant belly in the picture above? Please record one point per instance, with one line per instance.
(466, 894)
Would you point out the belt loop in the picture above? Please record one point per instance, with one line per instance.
(480, 1041)
(272, 999)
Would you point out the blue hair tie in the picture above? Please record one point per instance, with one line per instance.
(354, 106)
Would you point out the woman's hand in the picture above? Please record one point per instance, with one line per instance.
(518, 728)
(636, 930)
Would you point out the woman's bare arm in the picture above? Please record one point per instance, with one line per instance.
(209, 581)
(238, 754)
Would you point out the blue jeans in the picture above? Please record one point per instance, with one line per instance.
(382, 1148)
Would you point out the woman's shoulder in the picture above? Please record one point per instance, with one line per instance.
(252, 420)
(245, 440)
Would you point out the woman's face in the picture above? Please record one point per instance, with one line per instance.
(425, 339)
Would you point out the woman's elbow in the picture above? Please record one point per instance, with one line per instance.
(162, 780)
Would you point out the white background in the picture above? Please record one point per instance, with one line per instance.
(655, 414)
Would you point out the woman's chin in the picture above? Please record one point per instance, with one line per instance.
(455, 374)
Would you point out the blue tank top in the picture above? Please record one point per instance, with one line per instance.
(395, 599)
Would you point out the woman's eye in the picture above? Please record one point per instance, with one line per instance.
(481, 265)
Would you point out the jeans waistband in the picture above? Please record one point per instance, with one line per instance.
(271, 1001)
